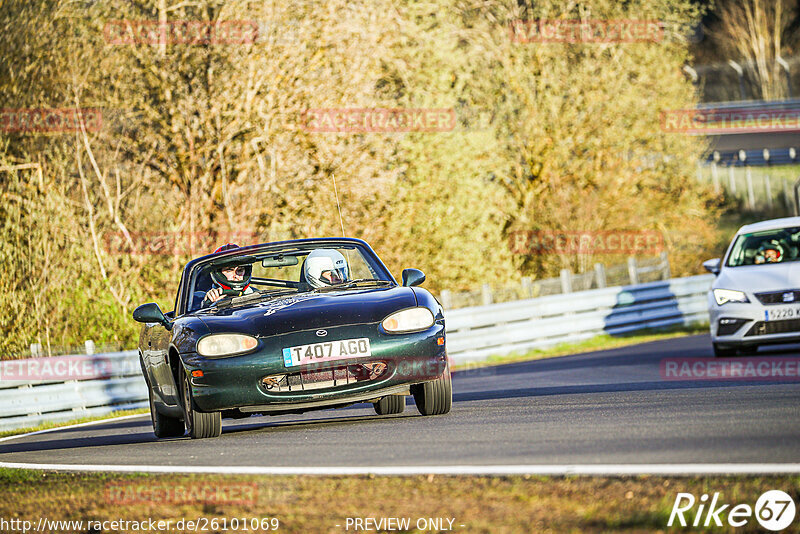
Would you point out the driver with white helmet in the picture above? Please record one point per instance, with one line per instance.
(325, 267)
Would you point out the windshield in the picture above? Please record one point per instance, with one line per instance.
(277, 272)
(770, 246)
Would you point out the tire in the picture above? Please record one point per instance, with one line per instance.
(390, 404)
(163, 425)
(724, 352)
(199, 424)
(435, 397)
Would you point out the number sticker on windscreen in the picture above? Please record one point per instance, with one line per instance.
(327, 351)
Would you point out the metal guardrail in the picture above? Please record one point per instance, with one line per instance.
(519, 326)
(27, 403)
(473, 334)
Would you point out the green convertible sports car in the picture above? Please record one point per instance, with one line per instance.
(289, 327)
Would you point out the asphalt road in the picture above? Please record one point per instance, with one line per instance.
(608, 407)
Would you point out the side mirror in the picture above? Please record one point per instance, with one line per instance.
(712, 266)
(151, 313)
(413, 277)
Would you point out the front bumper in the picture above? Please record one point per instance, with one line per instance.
(748, 323)
(236, 382)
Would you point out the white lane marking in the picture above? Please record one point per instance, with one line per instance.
(577, 469)
(77, 425)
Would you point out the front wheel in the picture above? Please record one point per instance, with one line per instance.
(390, 404)
(163, 425)
(724, 352)
(435, 397)
(199, 424)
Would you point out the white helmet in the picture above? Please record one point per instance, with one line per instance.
(325, 267)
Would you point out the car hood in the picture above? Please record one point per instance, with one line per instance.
(309, 311)
(760, 278)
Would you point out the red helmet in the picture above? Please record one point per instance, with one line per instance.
(221, 280)
(226, 246)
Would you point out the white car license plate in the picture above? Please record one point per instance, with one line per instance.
(782, 313)
(326, 351)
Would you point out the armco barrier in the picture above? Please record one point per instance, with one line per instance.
(33, 402)
(496, 329)
(472, 334)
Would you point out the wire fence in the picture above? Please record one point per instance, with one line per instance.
(635, 271)
(769, 189)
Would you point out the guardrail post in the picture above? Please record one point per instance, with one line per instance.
(715, 176)
(665, 265)
(633, 273)
(768, 190)
(527, 287)
(486, 294)
(36, 350)
(751, 197)
(447, 300)
(600, 274)
(797, 198)
(732, 177)
(89, 344)
(566, 281)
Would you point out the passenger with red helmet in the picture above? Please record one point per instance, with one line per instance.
(229, 280)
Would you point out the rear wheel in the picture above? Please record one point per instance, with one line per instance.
(199, 424)
(435, 397)
(390, 404)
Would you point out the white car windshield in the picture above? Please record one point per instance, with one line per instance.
(769, 246)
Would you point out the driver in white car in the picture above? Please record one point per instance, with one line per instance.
(771, 252)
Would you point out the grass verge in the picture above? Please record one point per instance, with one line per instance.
(305, 503)
(46, 426)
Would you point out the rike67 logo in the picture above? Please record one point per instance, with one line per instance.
(774, 510)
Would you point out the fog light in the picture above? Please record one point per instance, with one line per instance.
(197, 373)
(729, 326)
(440, 341)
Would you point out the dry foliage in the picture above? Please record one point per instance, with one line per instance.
(758, 31)
(209, 138)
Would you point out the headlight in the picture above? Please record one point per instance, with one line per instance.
(410, 320)
(225, 344)
(729, 295)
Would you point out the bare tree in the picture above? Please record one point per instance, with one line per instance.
(756, 31)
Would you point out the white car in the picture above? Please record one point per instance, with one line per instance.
(755, 299)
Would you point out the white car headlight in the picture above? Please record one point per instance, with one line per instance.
(225, 344)
(409, 320)
(729, 295)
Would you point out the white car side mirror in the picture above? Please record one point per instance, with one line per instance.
(712, 266)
